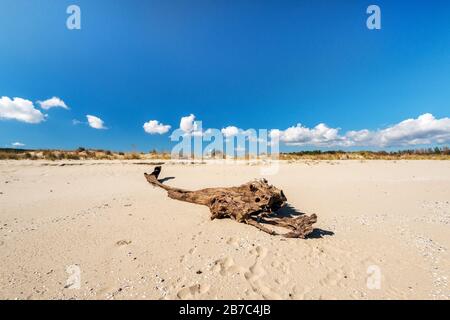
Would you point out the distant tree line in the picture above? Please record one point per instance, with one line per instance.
(421, 151)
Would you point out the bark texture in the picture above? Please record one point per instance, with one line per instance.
(255, 203)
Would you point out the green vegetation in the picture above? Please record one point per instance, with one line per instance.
(87, 154)
(411, 154)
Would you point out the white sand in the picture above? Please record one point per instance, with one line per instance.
(391, 217)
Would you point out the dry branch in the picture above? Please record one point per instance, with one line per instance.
(255, 203)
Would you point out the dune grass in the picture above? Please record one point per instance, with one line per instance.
(98, 154)
(79, 154)
(413, 154)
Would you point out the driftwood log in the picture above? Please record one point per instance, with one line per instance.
(255, 203)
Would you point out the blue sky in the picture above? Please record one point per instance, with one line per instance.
(248, 64)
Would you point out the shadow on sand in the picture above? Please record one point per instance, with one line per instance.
(166, 179)
(289, 211)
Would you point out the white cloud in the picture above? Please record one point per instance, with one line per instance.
(54, 102)
(230, 131)
(190, 126)
(275, 134)
(424, 130)
(155, 127)
(187, 124)
(358, 137)
(20, 109)
(95, 122)
(320, 135)
(18, 144)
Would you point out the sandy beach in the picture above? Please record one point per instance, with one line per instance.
(382, 232)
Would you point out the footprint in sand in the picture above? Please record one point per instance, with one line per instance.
(227, 266)
(105, 291)
(195, 236)
(255, 274)
(282, 269)
(300, 294)
(333, 278)
(256, 271)
(232, 241)
(191, 252)
(193, 292)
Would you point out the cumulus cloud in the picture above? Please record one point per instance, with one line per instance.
(95, 122)
(20, 109)
(187, 123)
(155, 127)
(230, 131)
(320, 135)
(190, 126)
(426, 129)
(18, 144)
(54, 102)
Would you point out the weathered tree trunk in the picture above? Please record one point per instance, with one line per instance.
(254, 203)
